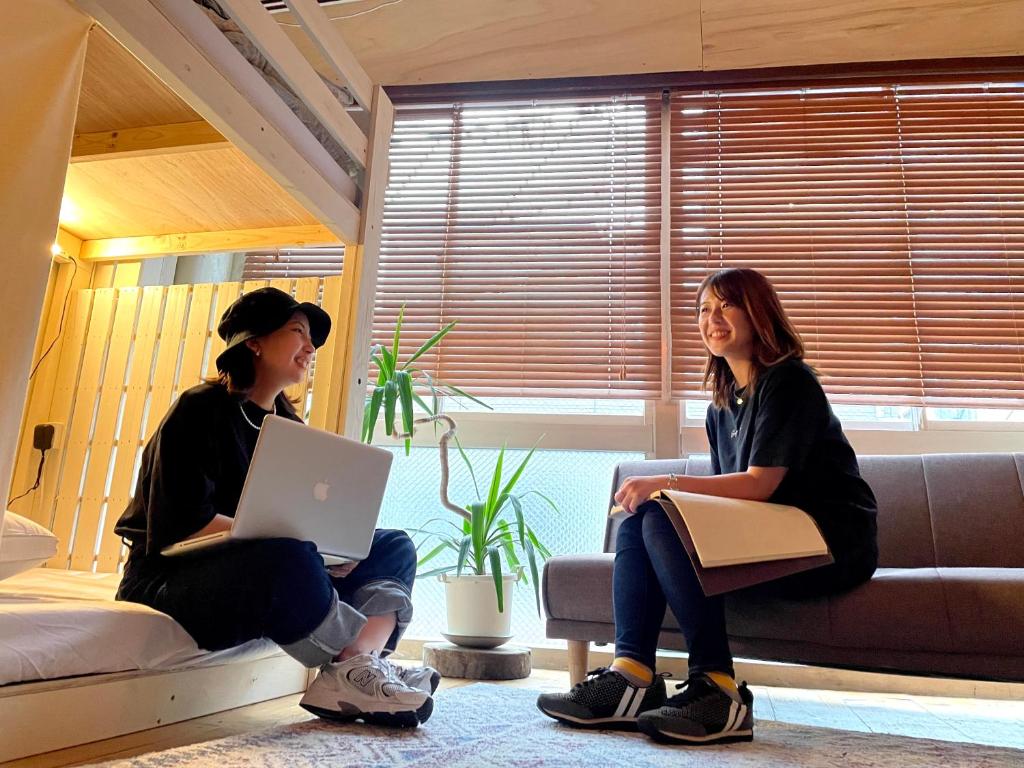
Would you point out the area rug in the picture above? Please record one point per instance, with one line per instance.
(485, 726)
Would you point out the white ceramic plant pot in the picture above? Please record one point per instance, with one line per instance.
(472, 606)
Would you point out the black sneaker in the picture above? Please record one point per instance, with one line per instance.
(604, 700)
(702, 714)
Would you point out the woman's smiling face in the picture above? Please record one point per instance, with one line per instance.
(725, 327)
(285, 354)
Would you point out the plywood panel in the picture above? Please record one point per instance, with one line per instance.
(197, 336)
(226, 293)
(767, 33)
(66, 382)
(437, 41)
(101, 444)
(54, 330)
(83, 385)
(204, 191)
(119, 92)
(325, 367)
(168, 352)
(122, 481)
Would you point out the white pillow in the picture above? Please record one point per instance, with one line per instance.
(24, 545)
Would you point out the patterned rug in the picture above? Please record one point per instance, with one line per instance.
(480, 726)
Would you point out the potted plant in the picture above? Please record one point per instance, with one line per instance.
(395, 389)
(489, 550)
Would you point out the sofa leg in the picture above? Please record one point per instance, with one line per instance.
(579, 650)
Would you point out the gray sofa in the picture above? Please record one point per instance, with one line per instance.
(947, 598)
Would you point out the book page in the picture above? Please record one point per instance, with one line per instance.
(736, 531)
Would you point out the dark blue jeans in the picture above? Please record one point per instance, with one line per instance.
(652, 570)
(275, 588)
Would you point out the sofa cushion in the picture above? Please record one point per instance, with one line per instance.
(900, 608)
(942, 610)
(905, 538)
(977, 509)
(761, 617)
(985, 609)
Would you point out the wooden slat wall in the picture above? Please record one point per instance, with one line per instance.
(127, 354)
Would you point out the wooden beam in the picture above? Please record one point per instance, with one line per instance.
(329, 42)
(70, 245)
(117, 248)
(359, 281)
(143, 142)
(185, 50)
(282, 54)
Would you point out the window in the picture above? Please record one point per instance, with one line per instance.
(536, 227)
(886, 215)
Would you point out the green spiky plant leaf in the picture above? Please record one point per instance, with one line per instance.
(496, 539)
(396, 385)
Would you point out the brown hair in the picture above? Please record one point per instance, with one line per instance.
(239, 374)
(775, 338)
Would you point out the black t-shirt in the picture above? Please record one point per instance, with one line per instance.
(788, 422)
(193, 468)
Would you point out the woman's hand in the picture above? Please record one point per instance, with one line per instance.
(636, 490)
(342, 570)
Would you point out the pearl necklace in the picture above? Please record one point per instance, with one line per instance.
(248, 421)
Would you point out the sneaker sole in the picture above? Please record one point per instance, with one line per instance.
(407, 719)
(667, 737)
(600, 723)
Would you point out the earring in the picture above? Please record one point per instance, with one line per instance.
(257, 353)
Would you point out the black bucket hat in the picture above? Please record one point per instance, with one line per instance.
(263, 311)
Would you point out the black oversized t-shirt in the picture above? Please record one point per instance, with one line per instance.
(193, 468)
(788, 422)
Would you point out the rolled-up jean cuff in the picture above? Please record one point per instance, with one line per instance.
(382, 597)
(337, 631)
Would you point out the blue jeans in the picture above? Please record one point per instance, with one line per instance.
(652, 570)
(276, 588)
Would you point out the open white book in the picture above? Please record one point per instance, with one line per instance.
(737, 531)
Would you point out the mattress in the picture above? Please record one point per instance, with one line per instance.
(56, 623)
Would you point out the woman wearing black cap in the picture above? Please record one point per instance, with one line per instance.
(192, 472)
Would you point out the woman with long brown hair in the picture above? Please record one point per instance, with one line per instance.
(773, 437)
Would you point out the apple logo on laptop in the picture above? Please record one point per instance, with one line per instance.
(320, 491)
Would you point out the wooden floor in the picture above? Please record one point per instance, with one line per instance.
(995, 722)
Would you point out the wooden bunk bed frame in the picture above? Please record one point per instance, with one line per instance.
(123, 353)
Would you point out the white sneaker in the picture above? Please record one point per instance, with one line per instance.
(424, 678)
(367, 688)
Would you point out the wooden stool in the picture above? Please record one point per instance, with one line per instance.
(509, 662)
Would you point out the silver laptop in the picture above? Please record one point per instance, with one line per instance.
(307, 484)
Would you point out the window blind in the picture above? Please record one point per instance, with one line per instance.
(536, 227)
(888, 216)
(297, 262)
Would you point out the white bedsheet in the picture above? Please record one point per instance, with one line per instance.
(56, 623)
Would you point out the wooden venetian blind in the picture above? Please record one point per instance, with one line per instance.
(296, 262)
(889, 217)
(536, 227)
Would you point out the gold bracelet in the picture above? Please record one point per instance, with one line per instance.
(672, 478)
